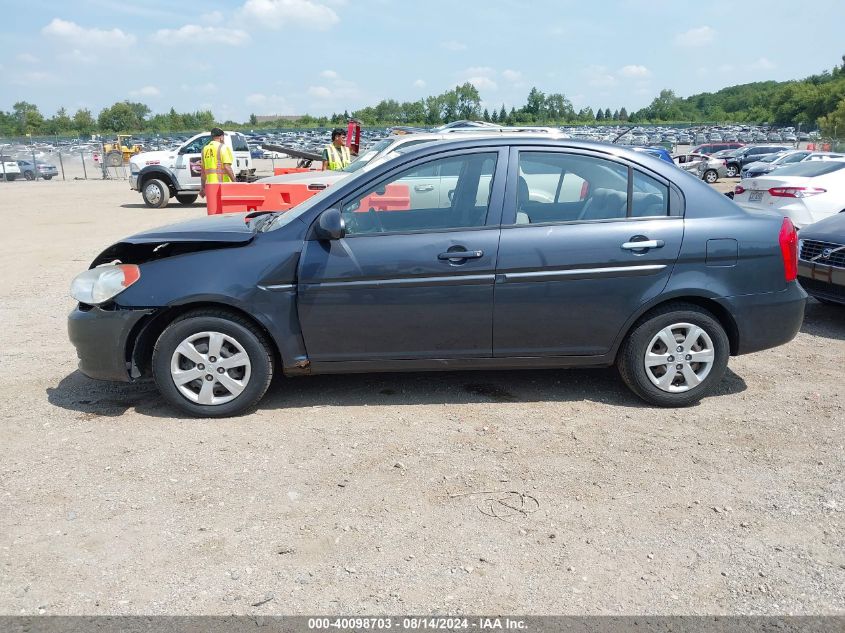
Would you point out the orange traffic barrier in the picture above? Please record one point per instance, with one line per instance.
(811, 147)
(281, 171)
(394, 198)
(826, 147)
(243, 197)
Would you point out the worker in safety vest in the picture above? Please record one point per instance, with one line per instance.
(336, 154)
(217, 162)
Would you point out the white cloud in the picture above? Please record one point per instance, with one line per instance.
(329, 74)
(193, 33)
(699, 36)
(256, 99)
(270, 104)
(35, 77)
(512, 75)
(77, 55)
(453, 46)
(419, 83)
(276, 14)
(206, 88)
(146, 91)
(27, 58)
(600, 78)
(319, 92)
(76, 35)
(483, 83)
(215, 17)
(762, 64)
(634, 71)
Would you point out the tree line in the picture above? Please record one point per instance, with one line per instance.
(816, 101)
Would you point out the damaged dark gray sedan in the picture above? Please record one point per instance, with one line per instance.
(500, 253)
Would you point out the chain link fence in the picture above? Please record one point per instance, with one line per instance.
(60, 159)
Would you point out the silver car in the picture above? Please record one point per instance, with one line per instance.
(707, 168)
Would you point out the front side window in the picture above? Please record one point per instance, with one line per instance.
(195, 146)
(448, 193)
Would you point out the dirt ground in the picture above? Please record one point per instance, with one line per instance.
(529, 492)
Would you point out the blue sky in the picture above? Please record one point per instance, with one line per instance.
(238, 57)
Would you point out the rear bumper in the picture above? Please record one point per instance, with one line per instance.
(767, 320)
(100, 338)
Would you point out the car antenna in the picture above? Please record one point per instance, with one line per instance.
(624, 132)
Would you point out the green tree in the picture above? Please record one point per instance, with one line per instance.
(120, 118)
(623, 114)
(558, 107)
(535, 103)
(615, 115)
(468, 101)
(83, 122)
(29, 119)
(503, 115)
(600, 115)
(833, 124)
(607, 113)
(253, 120)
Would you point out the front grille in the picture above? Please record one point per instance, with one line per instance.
(816, 287)
(812, 248)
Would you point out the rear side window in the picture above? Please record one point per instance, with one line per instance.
(239, 143)
(810, 169)
(557, 187)
(650, 197)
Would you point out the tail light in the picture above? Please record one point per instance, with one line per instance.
(738, 190)
(788, 240)
(795, 192)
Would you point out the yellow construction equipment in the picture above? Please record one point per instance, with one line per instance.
(118, 153)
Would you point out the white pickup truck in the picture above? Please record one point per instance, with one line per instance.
(158, 176)
(9, 168)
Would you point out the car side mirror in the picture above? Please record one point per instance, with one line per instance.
(330, 225)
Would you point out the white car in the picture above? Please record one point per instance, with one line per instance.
(160, 175)
(391, 147)
(9, 168)
(804, 192)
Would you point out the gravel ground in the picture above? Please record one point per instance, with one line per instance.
(531, 492)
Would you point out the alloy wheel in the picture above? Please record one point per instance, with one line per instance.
(679, 357)
(210, 368)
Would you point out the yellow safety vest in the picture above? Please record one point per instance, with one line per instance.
(214, 156)
(337, 160)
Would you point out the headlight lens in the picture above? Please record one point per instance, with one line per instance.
(103, 283)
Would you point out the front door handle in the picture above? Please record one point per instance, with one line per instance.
(423, 187)
(635, 246)
(460, 255)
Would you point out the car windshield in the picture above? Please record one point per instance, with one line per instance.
(771, 159)
(367, 156)
(810, 169)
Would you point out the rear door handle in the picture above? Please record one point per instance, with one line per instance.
(461, 255)
(423, 187)
(635, 246)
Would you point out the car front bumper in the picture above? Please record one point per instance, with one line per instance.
(822, 281)
(767, 320)
(101, 338)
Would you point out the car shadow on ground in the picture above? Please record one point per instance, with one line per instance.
(93, 398)
(141, 205)
(824, 320)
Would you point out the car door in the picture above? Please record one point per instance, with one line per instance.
(411, 279)
(189, 162)
(571, 272)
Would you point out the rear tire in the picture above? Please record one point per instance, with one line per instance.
(698, 335)
(187, 199)
(156, 193)
(46, 177)
(184, 359)
(711, 176)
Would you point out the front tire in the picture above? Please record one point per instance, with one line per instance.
(711, 176)
(733, 171)
(187, 199)
(10, 177)
(212, 363)
(674, 356)
(155, 193)
(114, 159)
(28, 175)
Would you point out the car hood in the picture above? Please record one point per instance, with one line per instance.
(229, 230)
(152, 158)
(227, 227)
(830, 229)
